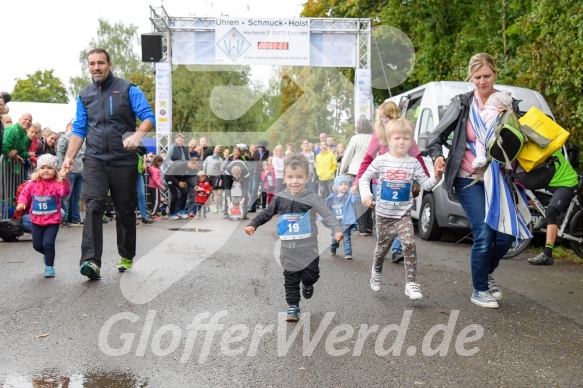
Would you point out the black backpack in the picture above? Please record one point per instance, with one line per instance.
(10, 230)
(538, 178)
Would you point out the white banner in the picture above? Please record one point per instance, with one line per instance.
(362, 94)
(262, 41)
(163, 98)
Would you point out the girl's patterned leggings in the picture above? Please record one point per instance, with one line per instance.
(387, 230)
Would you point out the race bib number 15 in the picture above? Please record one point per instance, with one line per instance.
(44, 204)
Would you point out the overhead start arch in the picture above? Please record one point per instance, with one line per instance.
(227, 41)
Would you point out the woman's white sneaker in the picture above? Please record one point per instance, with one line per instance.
(484, 299)
(413, 290)
(494, 288)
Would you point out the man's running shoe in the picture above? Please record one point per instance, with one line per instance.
(91, 270)
(541, 259)
(124, 264)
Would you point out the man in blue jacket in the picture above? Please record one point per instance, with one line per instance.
(106, 120)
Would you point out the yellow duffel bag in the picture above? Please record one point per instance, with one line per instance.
(532, 155)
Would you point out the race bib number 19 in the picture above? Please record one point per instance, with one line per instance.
(294, 226)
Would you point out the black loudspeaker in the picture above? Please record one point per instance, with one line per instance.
(151, 47)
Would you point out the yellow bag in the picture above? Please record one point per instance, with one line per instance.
(531, 155)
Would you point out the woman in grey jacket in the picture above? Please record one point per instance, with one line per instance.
(489, 245)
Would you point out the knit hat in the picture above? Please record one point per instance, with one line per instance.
(47, 160)
(339, 179)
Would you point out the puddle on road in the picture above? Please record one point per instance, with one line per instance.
(196, 230)
(51, 378)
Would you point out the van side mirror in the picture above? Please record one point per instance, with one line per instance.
(423, 141)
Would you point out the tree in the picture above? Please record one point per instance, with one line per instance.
(120, 41)
(42, 86)
(216, 101)
(550, 58)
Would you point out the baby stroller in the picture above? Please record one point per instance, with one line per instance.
(235, 213)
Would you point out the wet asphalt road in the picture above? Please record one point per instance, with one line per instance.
(152, 326)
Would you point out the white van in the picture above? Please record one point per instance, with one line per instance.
(424, 106)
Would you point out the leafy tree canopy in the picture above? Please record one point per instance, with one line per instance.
(42, 86)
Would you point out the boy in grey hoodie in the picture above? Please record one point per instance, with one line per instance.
(298, 231)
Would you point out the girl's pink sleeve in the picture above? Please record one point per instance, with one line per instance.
(25, 194)
(371, 153)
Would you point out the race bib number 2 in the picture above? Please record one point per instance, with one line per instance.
(395, 191)
(294, 226)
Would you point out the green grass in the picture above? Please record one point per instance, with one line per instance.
(559, 252)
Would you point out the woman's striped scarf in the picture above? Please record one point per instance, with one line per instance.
(506, 209)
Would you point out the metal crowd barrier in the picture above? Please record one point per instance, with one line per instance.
(13, 174)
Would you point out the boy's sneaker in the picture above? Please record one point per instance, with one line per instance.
(191, 215)
(541, 259)
(293, 313)
(173, 217)
(215, 211)
(124, 264)
(65, 224)
(375, 281)
(348, 257)
(77, 223)
(484, 299)
(307, 292)
(91, 270)
(156, 218)
(49, 272)
(182, 214)
(332, 252)
(493, 288)
(397, 257)
(413, 291)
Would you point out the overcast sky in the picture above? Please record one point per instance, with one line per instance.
(45, 35)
